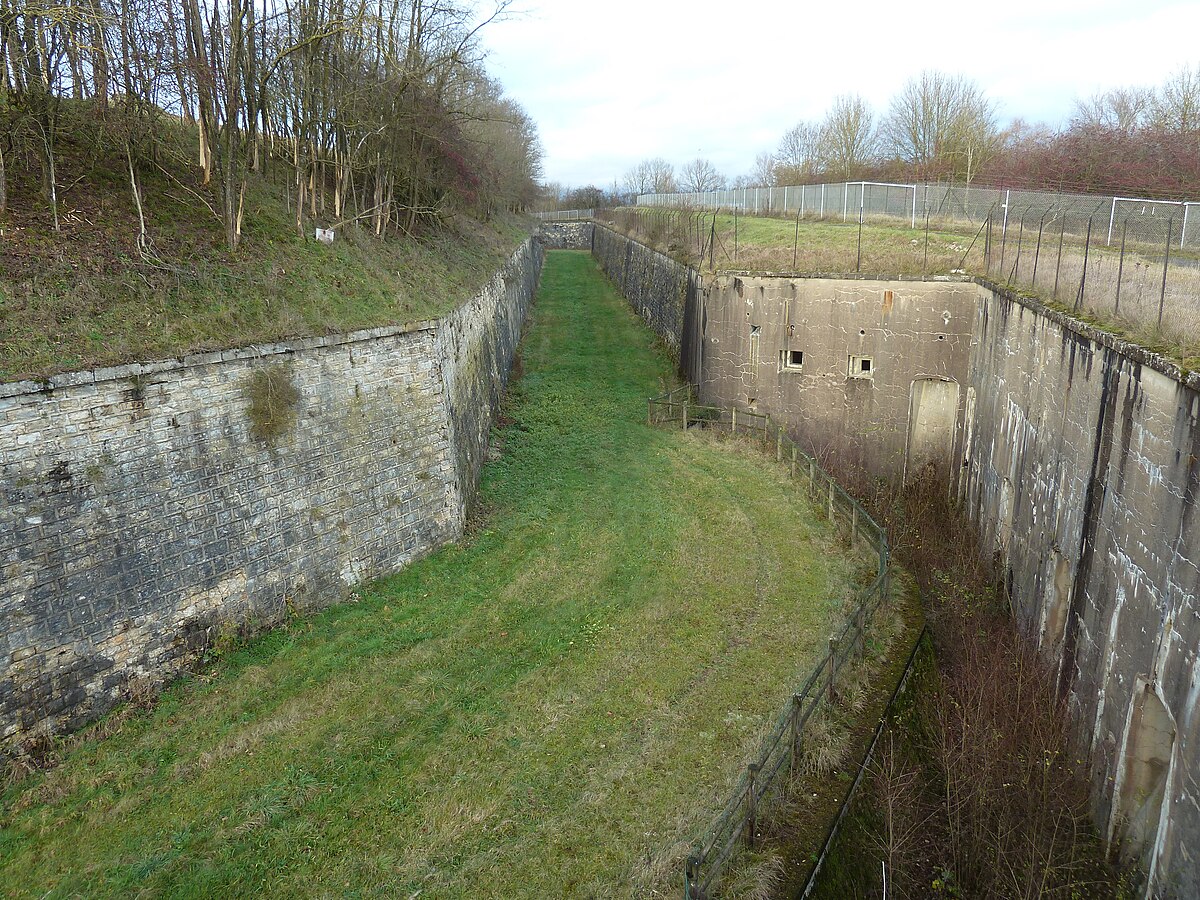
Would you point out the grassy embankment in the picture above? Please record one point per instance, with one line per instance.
(83, 296)
(558, 705)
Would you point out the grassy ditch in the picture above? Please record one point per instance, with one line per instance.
(556, 706)
(84, 296)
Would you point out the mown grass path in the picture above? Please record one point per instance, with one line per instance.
(554, 707)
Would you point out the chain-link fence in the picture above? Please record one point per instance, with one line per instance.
(765, 781)
(565, 215)
(1140, 220)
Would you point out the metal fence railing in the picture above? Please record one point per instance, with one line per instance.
(1143, 220)
(765, 779)
(565, 215)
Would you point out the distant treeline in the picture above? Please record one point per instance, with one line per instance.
(1130, 141)
(380, 110)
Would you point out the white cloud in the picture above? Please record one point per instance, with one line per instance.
(613, 82)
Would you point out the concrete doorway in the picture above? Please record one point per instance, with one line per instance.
(932, 421)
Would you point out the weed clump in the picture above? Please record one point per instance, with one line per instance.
(273, 399)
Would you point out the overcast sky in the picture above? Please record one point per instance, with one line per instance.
(610, 82)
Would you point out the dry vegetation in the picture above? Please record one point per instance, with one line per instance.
(977, 790)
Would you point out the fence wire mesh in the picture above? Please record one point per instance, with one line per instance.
(1144, 220)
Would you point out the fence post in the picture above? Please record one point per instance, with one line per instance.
(1038, 253)
(1162, 297)
(796, 239)
(733, 420)
(691, 876)
(1087, 246)
(779, 444)
(812, 478)
(1121, 266)
(751, 802)
(793, 470)
(1058, 264)
(797, 705)
(685, 414)
(831, 501)
(833, 644)
(1112, 217)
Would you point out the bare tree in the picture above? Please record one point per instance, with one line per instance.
(798, 157)
(1121, 109)
(1175, 108)
(380, 107)
(941, 125)
(763, 173)
(700, 175)
(651, 176)
(848, 141)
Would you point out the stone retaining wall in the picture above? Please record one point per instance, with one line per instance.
(150, 510)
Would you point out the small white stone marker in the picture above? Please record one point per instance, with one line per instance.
(325, 235)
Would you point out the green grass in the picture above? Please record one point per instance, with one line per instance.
(766, 244)
(555, 707)
(83, 297)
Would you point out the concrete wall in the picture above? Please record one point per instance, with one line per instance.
(841, 361)
(147, 511)
(1083, 473)
(1078, 456)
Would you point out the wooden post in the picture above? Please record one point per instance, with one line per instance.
(779, 445)
(832, 664)
(685, 414)
(797, 705)
(733, 425)
(830, 501)
(793, 472)
(691, 876)
(812, 477)
(751, 803)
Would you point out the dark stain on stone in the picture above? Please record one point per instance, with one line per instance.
(1127, 409)
(1092, 505)
(59, 477)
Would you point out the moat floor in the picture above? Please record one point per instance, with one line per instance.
(555, 707)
